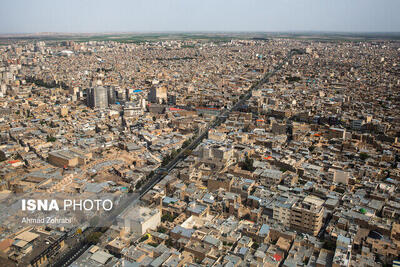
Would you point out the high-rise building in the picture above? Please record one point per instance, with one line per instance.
(307, 215)
(112, 95)
(158, 95)
(97, 97)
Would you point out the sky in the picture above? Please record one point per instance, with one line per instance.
(89, 16)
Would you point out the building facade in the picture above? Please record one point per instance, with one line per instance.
(97, 97)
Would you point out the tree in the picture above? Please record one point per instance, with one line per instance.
(293, 79)
(167, 217)
(94, 237)
(150, 174)
(173, 154)
(186, 143)
(161, 230)
(51, 138)
(144, 238)
(283, 170)
(246, 217)
(363, 156)
(138, 184)
(247, 164)
(169, 242)
(255, 246)
(166, 160)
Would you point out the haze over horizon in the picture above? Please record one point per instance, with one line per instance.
(89, 16)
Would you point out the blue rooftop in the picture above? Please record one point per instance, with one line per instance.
(169, 200)
(264, 230)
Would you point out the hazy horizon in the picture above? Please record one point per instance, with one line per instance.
(205, 32)
(216, 16)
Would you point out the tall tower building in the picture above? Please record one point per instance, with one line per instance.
(112, 95)
(158, 95)
(97, 97)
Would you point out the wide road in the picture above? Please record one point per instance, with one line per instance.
(76, 250)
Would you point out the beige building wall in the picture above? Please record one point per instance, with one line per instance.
(306, 217)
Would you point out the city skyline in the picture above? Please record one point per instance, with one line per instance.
(206, 16)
